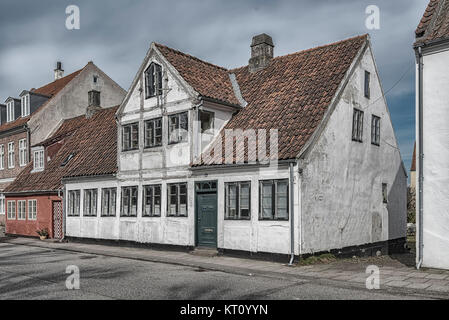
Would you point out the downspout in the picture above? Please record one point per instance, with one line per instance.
(292, 211)
(421, 157)
(63, 212)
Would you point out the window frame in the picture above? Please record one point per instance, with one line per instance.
(111, 205)
(2, 204)
(177, 126)
(212, 118)
(2, 156)
(129, 190)
(274, 200)
(152, 75)
(90, 201)
(23, 152)
(127, 143)
(21, 214)
(375, 130)
(32, 214)
(39, 160)
(8, 213)
(367, 84)
(25, 105)
(10, 116)
(74, 203)
(384, 193)
(357, 125)
(153, 188)
(154, 129)
(11, 155)
(178, 203)
(238, 215)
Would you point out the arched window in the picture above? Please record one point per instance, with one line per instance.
(153, 80)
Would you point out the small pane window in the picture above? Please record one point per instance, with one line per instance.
(129, 201)
(375, 130)
(367, 84)
(90, 202)
(207, 121)
(152, 201)
(11, 155)
(23, 152)
(32, 209)
(130, 137)
(177, 199)
(108, 202)
(153, 80)
(21, 212)
(357, 126)
(384, 193)
(178, 127)
(74, 203)
(273, 195)
(153, 133)
(237, 197)
(11, 210)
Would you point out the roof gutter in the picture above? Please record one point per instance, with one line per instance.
(421, 158)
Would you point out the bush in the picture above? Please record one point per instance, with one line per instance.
(42, 232)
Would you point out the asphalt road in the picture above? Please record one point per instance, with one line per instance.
(37, 273)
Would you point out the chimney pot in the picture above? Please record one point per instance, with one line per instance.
(261, 52)
(59, 73)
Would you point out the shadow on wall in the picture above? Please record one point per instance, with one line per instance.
(397, 206)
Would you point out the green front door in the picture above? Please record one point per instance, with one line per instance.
(206, 217)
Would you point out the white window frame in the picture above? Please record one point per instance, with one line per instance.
(90, 202)
(108, 202)
(25, 105)
(2, 156)
(177, 208)
(74, 201)
(39, 160)
(2, 204)
(10, 111)
(11, 155)
(23, 152)
(21, 209)
(32, 209)
(11, 204)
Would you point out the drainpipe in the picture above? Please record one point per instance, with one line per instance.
(421, 157)
(63, 212)
(292, 224)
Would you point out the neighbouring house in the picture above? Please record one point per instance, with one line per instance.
(432, 136)
(38, 114)
(288, 155)
(82, 146)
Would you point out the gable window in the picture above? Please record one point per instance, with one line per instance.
(367, 84)
(23, 152)
(11, 156)
(384, 193)
(32, 209)
(357, 125)
(178, 127)
(2, 156)
(10, 111)
(38, 161)
(25, 105)
(90, 202)
(153, 133)
(273, 200)
(237, 195)
(74, 203)
(207, 121)
(375, 130)
(177, 200)
(21, 209)
(129, 202)
(152, 201)
(11, 209)
(2, 204)
(108, 202)
(153, 80)
(130, 137)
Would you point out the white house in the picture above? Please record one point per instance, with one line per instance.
(432, 139)
(288, 155)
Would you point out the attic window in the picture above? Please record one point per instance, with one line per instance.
(153, 80)
(367, 84)
(95, 79)
(207, 121)
(39, 160)
(25, 105)
(10, 111)
(66, 160)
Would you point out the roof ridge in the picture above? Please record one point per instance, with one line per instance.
(191, 56)
(311, 49)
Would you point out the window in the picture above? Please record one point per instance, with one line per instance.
(67, 159)
(152, 201)
(10, 111)
(153, 133)
(108, 201)
(23, 152)
(2, 157)
(130, 137)
(273, 199)
(11, 157)
(25, 105)
(367, 84)
(177, 200)
(207, 121)
(237, 195)
(384, 193)
(95, 79)
(177, 127)
(129, 201)
(38, 160)
(375, 130)
(90, 202)
(357, 125)
(21, 209)
(32, 209)
(153, 80)
(11, 210)
(2, 204)
(74, 203)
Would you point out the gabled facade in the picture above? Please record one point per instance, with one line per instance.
(432, 144)
(38, 113)
(311, 163)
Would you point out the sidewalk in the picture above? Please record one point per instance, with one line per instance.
(393, 273)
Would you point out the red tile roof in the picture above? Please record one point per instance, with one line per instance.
(93, 143)
(413, 167)
(434, 24)
(208, 80)
(292, 95)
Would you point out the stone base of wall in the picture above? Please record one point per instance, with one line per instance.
(2, 220)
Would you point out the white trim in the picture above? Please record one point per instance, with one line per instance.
(11, 155)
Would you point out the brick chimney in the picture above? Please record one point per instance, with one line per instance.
(261, 52)
(59, 73)
(94, 103)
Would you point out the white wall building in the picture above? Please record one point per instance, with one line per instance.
(335, 179)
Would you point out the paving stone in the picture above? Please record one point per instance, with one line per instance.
(397, 283)
(418, 280)
(418, 285)
(438, 288)
(436, 276)
(417, 275)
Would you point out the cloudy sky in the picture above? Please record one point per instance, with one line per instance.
(116, 35)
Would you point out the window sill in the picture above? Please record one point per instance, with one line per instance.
(153, 148)
(375, 144)
(130, 150)
(237, 219)
(273, 219)
(175, 143)
(360, 141)
(172, 216)
(122, 216)
(108, 216)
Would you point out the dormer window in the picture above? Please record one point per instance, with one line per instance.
(39, 160)
(26, 105)
(10, 111)
(153, 80)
